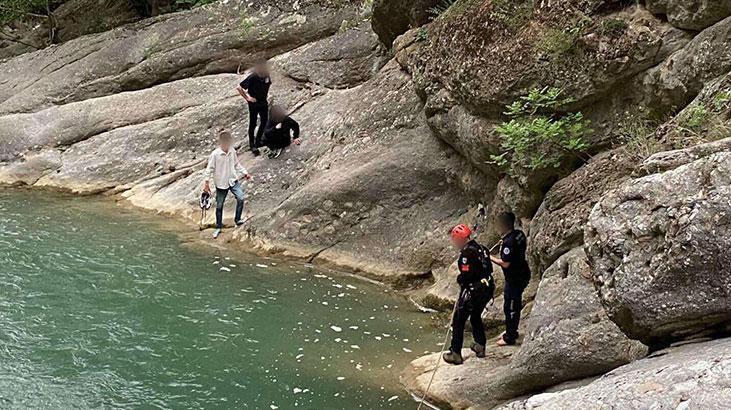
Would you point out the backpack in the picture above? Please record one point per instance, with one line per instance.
(487, 268)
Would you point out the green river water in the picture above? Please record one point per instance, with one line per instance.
(104, 307)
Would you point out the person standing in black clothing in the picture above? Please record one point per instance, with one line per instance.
(517, 274)
(476, 289)
(279, 132)
(255, 90)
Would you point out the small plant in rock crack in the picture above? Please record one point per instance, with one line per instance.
(638, 137)
(722, 100)
(440, 8)
(422, 35)
(539, 135)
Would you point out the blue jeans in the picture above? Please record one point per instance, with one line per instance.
(221, 194)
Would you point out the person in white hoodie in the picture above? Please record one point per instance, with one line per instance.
(226, 173)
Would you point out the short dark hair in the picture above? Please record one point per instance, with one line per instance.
(506, 219)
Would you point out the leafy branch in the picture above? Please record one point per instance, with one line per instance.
(538, 135)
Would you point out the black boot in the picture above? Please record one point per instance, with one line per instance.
(452, 357)
(478, 349)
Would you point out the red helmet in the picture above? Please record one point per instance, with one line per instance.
(461, 231)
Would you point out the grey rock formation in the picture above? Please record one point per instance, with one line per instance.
(393, 153)
(454, 387)
(659, 250)
(74, 18)
(372, 161)
(677, 81)
(558, 226)
(205, 40)
(392, 18)
(695, 376)
(476, 59)
(691, 14)
(568, 336)
(67, 124)
(568, 325)
(484, 76)
(340, 61)
(667, 160)
(332, 199)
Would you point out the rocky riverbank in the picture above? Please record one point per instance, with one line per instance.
(629, 249)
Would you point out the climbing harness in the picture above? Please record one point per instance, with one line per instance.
(479, 218)
(205, 204)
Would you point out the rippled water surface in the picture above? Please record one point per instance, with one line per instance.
(102, 307)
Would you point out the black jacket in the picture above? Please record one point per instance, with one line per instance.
(512, 249)
(257, 87)
(279, 134)
(474, 264)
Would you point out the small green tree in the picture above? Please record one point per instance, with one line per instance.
(11, 10)
(539, 135)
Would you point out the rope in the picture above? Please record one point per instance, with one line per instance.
(439, 356)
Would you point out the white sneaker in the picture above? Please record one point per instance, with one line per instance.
(216, 233)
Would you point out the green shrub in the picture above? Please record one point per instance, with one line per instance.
(694, 118)
(450, 8)
(440, 8)
(539, 135)
(721, 100)
(422, 34)
(613, 27)
(639, 139)
(12, 10)
(246, 23)
(557, 41)
(366, 9)
(513, 13)
(705, 121)
(191, 3)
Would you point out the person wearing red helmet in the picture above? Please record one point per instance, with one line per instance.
(476, 289)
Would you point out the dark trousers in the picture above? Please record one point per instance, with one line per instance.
(221, 194)
(276, 140)
(260, 112)
(512, 305)
(469, 306)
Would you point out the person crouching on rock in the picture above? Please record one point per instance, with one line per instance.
(517, 273)
(279, 131)
(476, 289)
(255, 90)
(226, 172)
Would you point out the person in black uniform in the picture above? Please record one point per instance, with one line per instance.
(255, 90)
(517, 273)
(476, 289)
(279, 131)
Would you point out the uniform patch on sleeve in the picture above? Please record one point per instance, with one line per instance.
(506, 251)
(465, 268)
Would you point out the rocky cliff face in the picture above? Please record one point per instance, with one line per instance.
(71, 19)
(629, 249)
